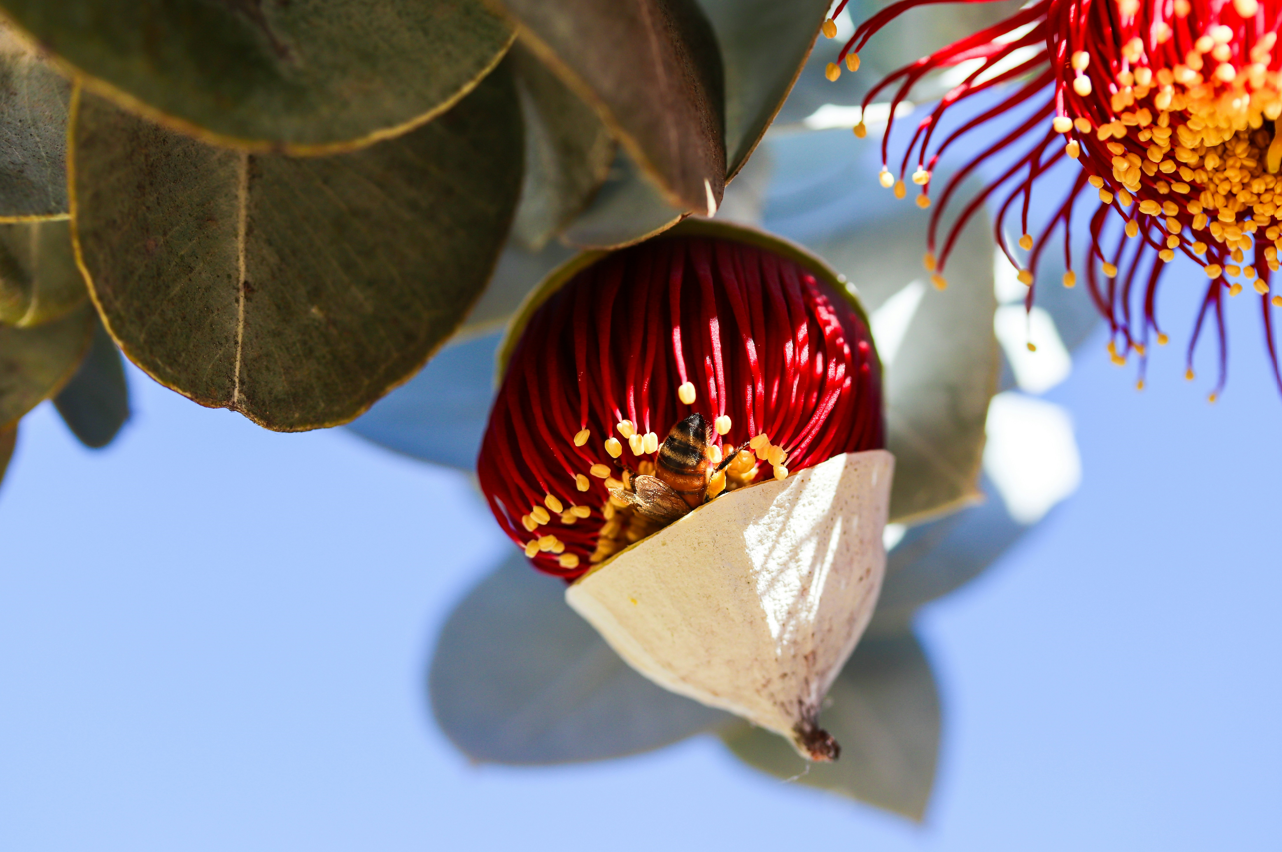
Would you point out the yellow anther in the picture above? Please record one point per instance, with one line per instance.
(781, 472)
(529, 523)
(558, 546)
(1124, 198)
(1261, 288)
(540, 515)
(1070, 279)
(928, 261)
(714, 453)
(1162, 339)
(1073, 149)
(717, 484)
(651, 443)
(1129, 8)
(546, 542)
(1139, 386)
(900, 189)
(852, 62)
(569, 519)
(600, 471)
(612, 483)
(829, 28)
(721, 424)
(1026, 242)
(1083, 124)
(1235, 288)
(861, 130)
(580, 511)
(568, 560)
(1213, 270)
(1106, 196)
(776, 455)
(582, 437)
(581, 482)
(613, 447)
(686, 393)
(636, 443)
(921, 177)
(1025, 277)
(832, 72)
(940, 282)
(1245, 8)
(1062, 124)
(1166, 255)
(1199, 247)
(1080, 60)
(626, 428)
(1188, 375)
(758, 441)
(1233, 269)
(1032, 347)
(1109, 269)
(1276, 301)
(1096, 181)
(531, 548)
(1082, 85)
(1118, 360)
(553, 503)
(923, 201)
(1213, 398)
(1132, 228)
(886, 178)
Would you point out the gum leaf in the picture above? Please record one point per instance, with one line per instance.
(301, 76)
(33, 132)
(95, 403)
(764, 45)
(35, 363)
(39, 280)
(8, 439)
(519, 678)
(884, 711)
(653, 71)
(627, 209)
(295, 291)
(568, 152)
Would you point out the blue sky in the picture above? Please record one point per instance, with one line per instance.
(215, 637)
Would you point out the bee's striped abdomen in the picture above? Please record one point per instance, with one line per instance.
(683, 460)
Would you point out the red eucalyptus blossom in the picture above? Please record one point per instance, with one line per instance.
(747, 332)
(1169, 107)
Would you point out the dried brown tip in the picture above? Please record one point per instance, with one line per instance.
(815, 743)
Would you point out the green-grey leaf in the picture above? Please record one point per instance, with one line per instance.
(567, 152)
(517, 677)
(8, 439)
(33, 133)
(764, 45)
(95, 403)
(653, 71)
(39, 279)
(295, 291)
(439, 416)
(884, 711)
(36, 362)
(945, 368)
(627, 209)
(305, 75)
(518, 272)
(937, 557)
(940, 354)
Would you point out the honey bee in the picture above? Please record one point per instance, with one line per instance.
(680, 480)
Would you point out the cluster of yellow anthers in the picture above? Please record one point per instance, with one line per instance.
(1196, 130)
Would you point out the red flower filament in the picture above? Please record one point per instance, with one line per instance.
(752, 340)
(1171, 109)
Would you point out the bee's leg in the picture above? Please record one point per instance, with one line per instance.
(725, 461)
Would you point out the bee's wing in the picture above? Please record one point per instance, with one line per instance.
(654, 499)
